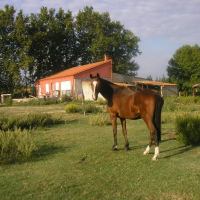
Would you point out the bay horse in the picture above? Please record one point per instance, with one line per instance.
(125, 104)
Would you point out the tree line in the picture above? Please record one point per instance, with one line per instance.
(183, 69)
(40, 44)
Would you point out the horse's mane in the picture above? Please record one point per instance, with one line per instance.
(106, 81)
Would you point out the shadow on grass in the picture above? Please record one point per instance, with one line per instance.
(132, 148)
(45, 152)
(178, 150)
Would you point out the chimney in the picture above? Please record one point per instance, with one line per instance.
(106, 58)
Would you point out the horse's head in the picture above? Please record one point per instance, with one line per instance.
(95, 86)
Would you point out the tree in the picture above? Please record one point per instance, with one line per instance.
(184, 67)
(52, 42)
(149, 78)
(9, 51)
(25, 61)
(98, 35)
(163, 79)
(37, 45)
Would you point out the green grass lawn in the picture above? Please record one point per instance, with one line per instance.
(55, 170)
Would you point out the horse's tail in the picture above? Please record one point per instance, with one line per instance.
(157, 114)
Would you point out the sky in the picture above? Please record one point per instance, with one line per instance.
(163, 26)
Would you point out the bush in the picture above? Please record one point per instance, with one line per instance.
(29, 121)
(16, 144)
(8, 101)
(76, 101)
(71, 108)
(187, 100)
(100, 119)
(101, 101)
(170, 107)
(188, 129)
(87, 108)
(65, 98)
(168, 117)
(41, 102)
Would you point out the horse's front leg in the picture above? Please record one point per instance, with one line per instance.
(113, 119)
(123, 123)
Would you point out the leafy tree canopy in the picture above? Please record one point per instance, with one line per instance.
(184, 67)
(40, 44)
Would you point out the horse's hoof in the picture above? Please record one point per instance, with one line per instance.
(114, 148)
(126, 148)
(154, 159)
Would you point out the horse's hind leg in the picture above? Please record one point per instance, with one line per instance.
(153, 136)
(123, 123)
(155, 157)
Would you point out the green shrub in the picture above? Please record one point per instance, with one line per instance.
(16, 144)
(188, 129)
(182, 100)
(88, 108)
(33, 102)
(170, 106)
(168, 117)
(101, 101)
(76, 101)
(8, 102)
(197, 99)
(28, 121)
(40, 102)
(65, 98)
(89, 102)
(100, 119)
(71, 108)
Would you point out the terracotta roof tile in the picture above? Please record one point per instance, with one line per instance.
(75, 70)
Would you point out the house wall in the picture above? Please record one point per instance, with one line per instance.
(105, 71)
(87, 91)
(43, 83)
(82, 80)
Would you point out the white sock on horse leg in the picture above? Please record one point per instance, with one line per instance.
(147, 150)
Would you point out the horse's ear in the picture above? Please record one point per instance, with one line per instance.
(98, 76)
(91, 76)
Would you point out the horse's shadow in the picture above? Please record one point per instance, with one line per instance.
(45, 152)
(176, 151)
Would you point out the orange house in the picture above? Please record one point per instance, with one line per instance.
(71, 81)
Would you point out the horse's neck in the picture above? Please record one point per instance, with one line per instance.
(106, 89)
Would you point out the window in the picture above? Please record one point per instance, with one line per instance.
(39, 90)
(57, 85)
(47, 88)
(66, 88)
(66, 85)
